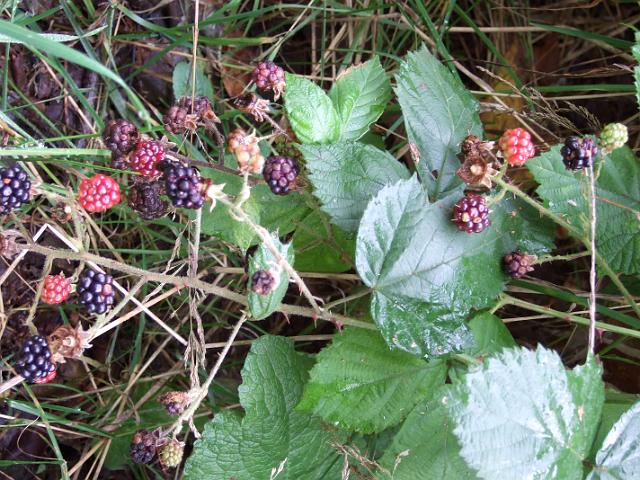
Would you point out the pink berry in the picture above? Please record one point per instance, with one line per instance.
(516, 146)
(56, 289)
(98, 193)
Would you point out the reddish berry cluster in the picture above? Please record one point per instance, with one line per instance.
(262, 282)
(146, 157)
(246, 150)
(517, 264)
(98, 193)
(516, 146)
(56, 289)
(269, 77)
(470, 214)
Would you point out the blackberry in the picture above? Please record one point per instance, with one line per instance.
(262, 282)
(281, 174)
(146, 156)
(170, 454)
(269, 77)
(613, 136)
(174, 402)
(14, 188)
(200, 106)
(34, 360)
(144, 198)
(246, 150)
(120, 136)
(143, 447)
(119, 161)
(517, 264)
(471, 214)
(578, 153)
(95, 291)
(183, 185)
(175, 119)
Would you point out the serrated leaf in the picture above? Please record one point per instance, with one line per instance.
(183, 83)
(361, 385)
(615, 405)
(262, 306)
(522, 415)
(310, 111)
(271, 434)
(438, 114)
(490, 334)
(619, 457)
(425, 447)
(421, 328)
(360, 95)
(618, 202)
(346, 175)
(322, 247)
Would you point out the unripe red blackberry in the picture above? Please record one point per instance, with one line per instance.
(175, 119)
(517, 264)
(471, 214)
(98, 193)
(183, 185)
(246, 150)
(578, 153)
(95, 290)
(281, 174)
(143, 447)
(56, 289)
(262, 282)
(516, 146)
(269, 77)
(146, 156)
(120, 136)
(34, 360)
(15, 188)
(144, 198)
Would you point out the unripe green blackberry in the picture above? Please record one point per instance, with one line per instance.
(614, 136)
(170, 454)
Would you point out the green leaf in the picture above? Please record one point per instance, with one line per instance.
(310, 111)
(615, 404)
(490, 334)
(183, 83)
(322, 247)
(345, 176)
(360, 95)
(420, 328)
(522, 415)
(262, 306)
(271, 434)
(618, 202)
(425, 446)
(438, 113)
(636, 70)
(360, 385)
(619, 457)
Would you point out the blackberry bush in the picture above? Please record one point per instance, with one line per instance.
(95, 290)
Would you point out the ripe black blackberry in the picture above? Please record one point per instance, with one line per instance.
(262, 282)
(578, 153)
(281, 174)
(144, 198)
(471, 214)
(175, 119)
(14, 188)
(95, 290)
(183, 185)
(34, 360)
(517, 264)
(143, 447)
(120, 136)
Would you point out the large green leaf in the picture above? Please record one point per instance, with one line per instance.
(618, 202)
(615, 404)
(271, 435)
(361, 385)
(438, 113)
(262, 306)
(346, 175)
(183, 83)
(490, 334)
(310, 111)
(360, 95)
(425, 447)
(619, 457)
(522, 415)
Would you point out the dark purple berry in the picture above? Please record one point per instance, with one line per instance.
(471, 214)
(14, 188)
(578, 153)
(34, 360)
(281, 174)
(120, 136)
(262, 282)
(183, 185)
(144, 198)
(143, 447)
(175, 119)
(269, 77)
(198, 106)
(517, 264)
(95, 290)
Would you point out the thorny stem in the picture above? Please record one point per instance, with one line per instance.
(558, 258)
(593, 271)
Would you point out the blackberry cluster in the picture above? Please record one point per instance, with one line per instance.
(144, 198)
(34, 360)
(183, 185)
(269, 77)
(246, 150)
(120, 136)
(281, 174)
(14, 188)
(146, 156)
(143, 447)
(170, 454)
(175, 119)
(613, 136)
(262, 282)
(471, 214)
(517, 264)
(96, 291)
(199, 106)
(578, 153)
